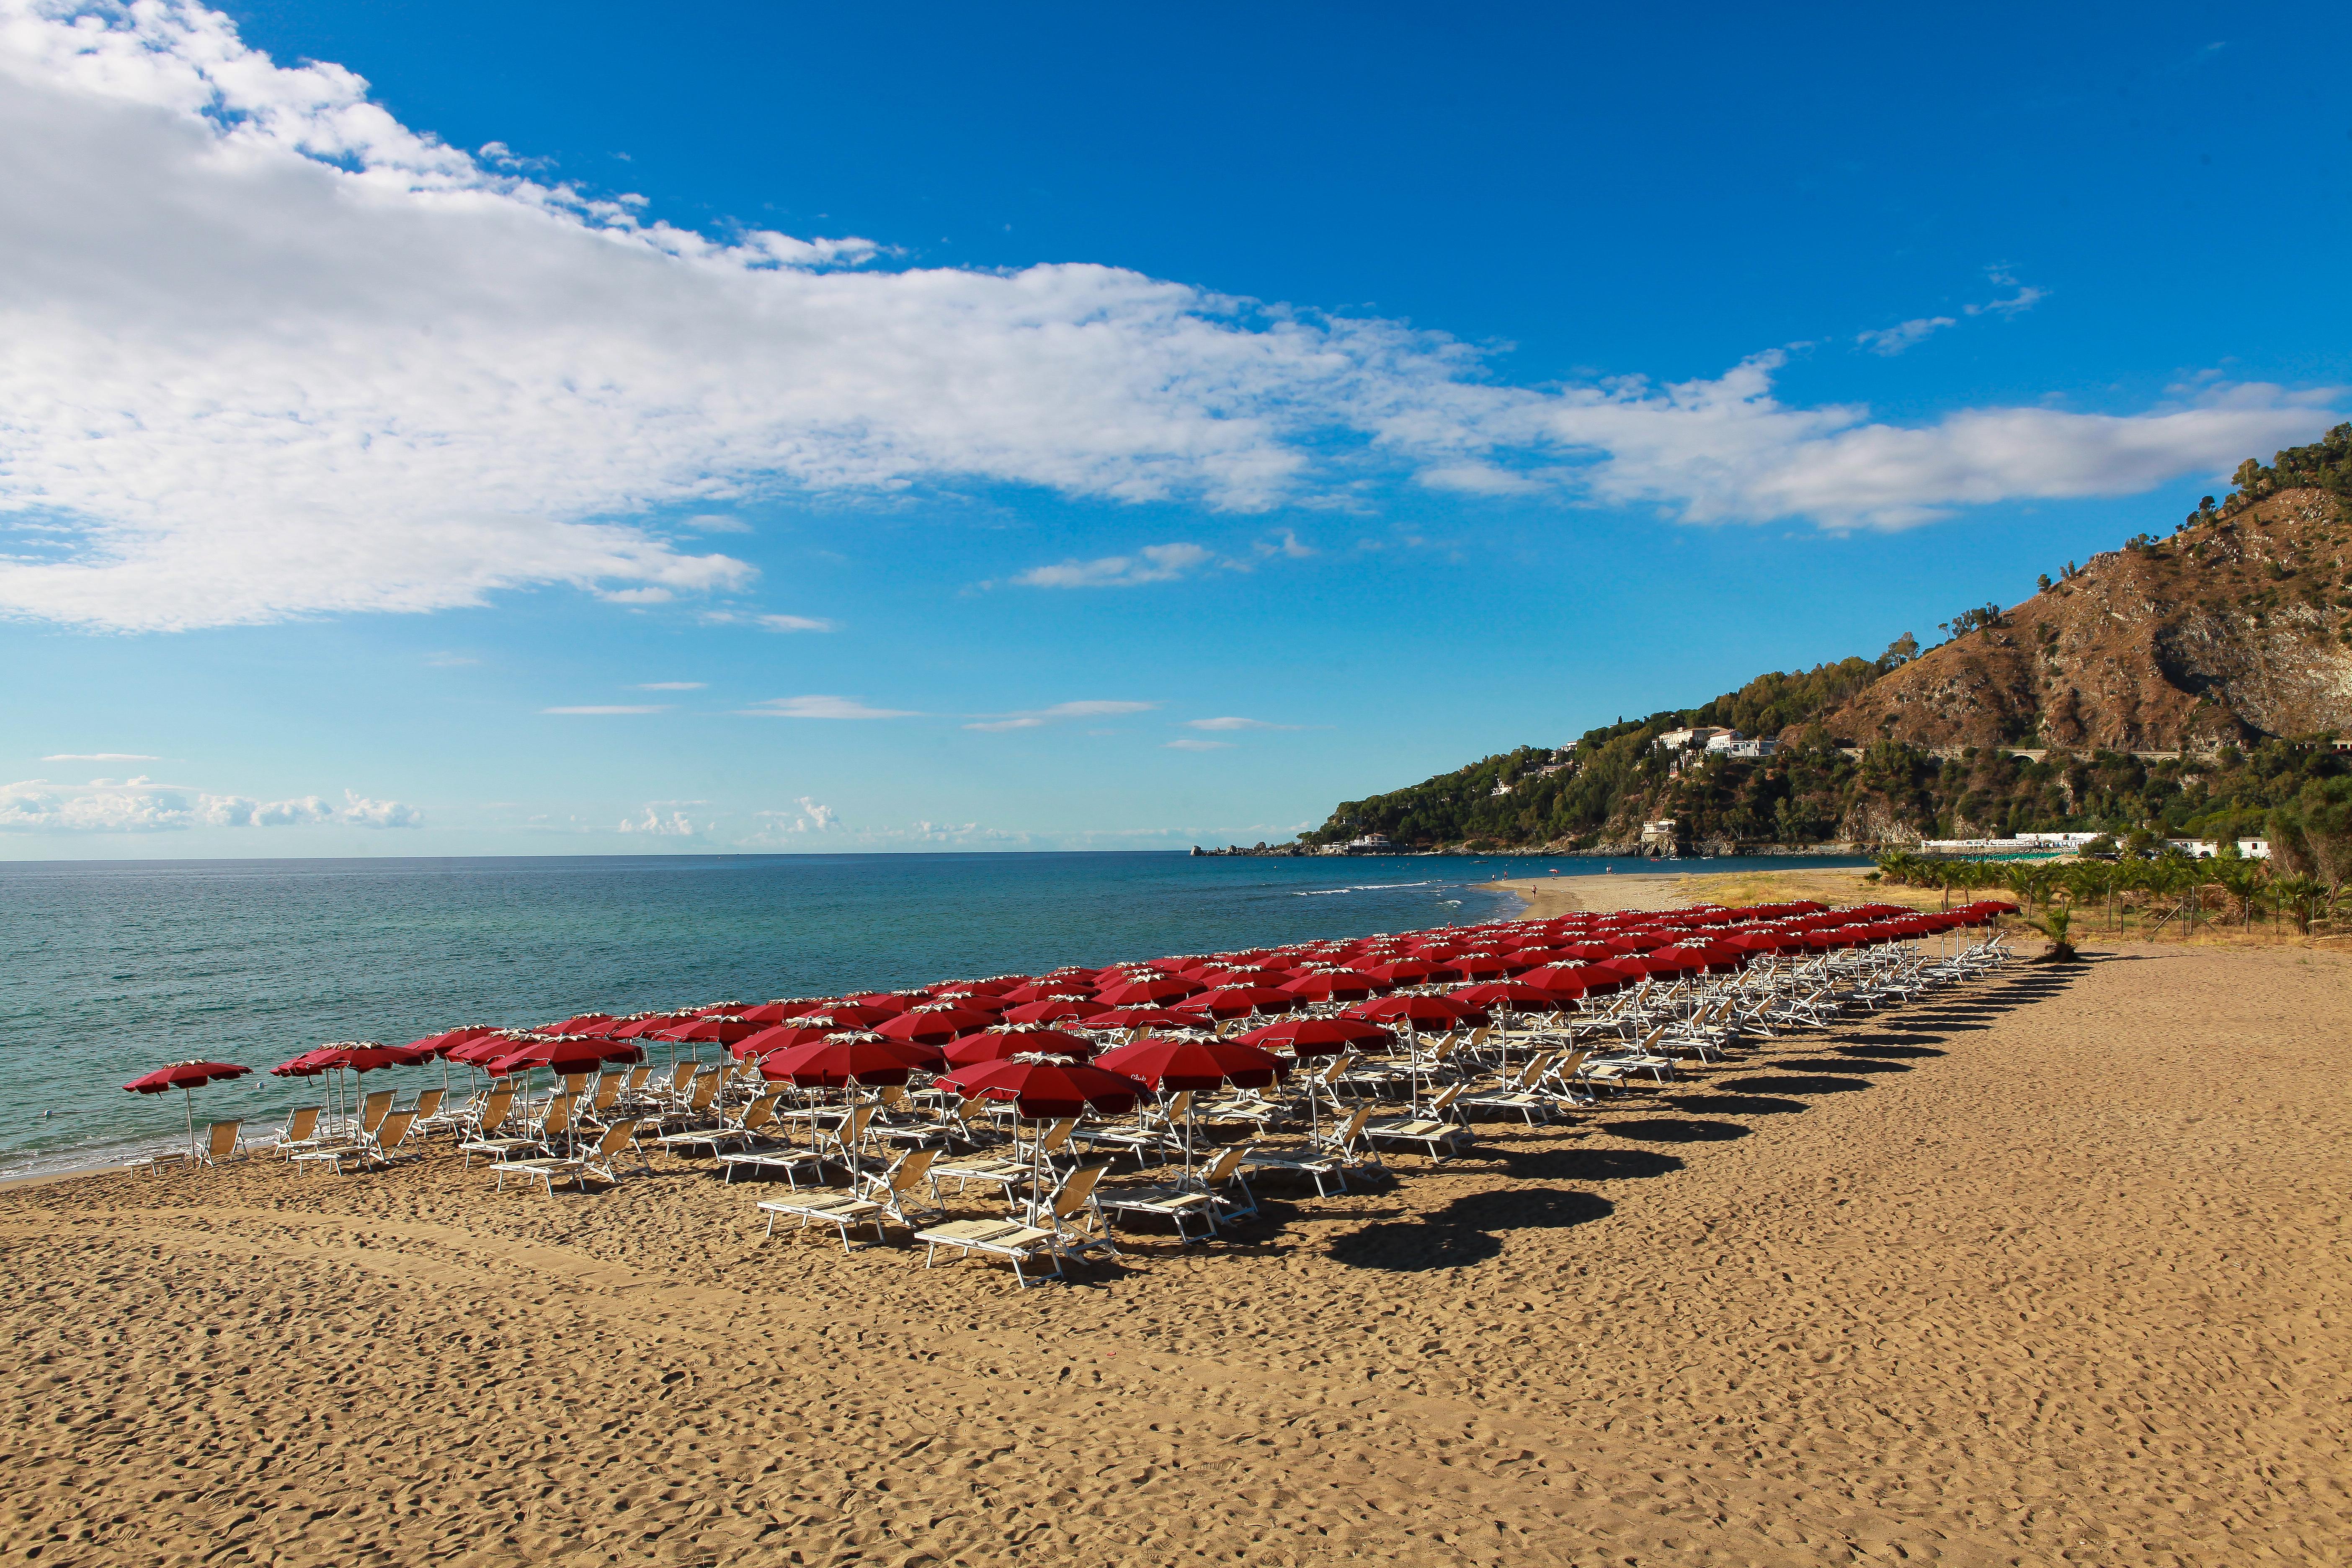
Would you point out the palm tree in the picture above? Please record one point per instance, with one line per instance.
(2055, 922)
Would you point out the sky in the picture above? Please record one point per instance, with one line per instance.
(440, 429)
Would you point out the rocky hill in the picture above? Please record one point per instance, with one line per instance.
(2233, 630)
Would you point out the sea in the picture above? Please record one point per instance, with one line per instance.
(111, 968)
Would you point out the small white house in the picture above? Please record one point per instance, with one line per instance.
(1697, 738)
(1732, 743)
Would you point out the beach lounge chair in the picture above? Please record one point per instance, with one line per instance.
(1015, 1242)
(598, 1162)
(375, 1149)
(220, 1146)
(1436, 1131)
(555, 1121)
(842, 1210)
(1330, 1156)
(481, 1121)
(1178, 1203)
(738, 1133)
(1519, 1091)
(302, 1131)
(894, 1188)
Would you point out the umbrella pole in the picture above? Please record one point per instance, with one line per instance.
(188, 1099)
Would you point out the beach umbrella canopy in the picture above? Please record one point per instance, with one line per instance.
(1479, 965)
(1516, 994)
(366, 1056)
(1401, 970)
(565, 1054)
(184, 1076)
(1054, 1010)
(1564, 980)
(933, 1025)
(720, 1031)
(488, 1048)
(1039, 1090)
(833, 1062)
(298, 1067)
(892, 1001)
(1441, 1011)
(450, 1040)
(1003, 1045)
(779, 1012)
(1238, 1001)
(1676, 961)
(580, 1024)
(1318, 1036)
(1332, 984)
(1044, 990)
(1169, 1065)
(1146, 993)
(1141, 1018)
(777, 1037)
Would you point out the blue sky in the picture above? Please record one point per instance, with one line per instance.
(836, 428)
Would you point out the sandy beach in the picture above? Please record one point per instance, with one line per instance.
(2049, 1270)
(1546, 896)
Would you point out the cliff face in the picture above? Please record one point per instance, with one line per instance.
(2233, 630)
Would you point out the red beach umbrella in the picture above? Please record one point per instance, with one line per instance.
(720, 1031)
(1517, 995)
(1177, 1065)
(838, 1059)
(1401, 970)
(1146, 993)
(1333, 984)
(565, 1055)
(1441, 1011)
(1003, 1045)
(933, 1025)
(1141, 1018)
(1046, 990)
(1318, 1036)
(579, 1024)
(1042, 1089)
(187, 1078)
(1477, 967)
(1239, 1001)
(1054, 1010)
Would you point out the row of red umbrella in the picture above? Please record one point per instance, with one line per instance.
(996, 1038)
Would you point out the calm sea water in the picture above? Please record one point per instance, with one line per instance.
(108, 969)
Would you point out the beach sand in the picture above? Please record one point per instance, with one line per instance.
(1546, 896)
(2051, 1271)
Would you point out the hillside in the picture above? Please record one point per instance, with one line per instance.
(2179, 686)
(2232, 630)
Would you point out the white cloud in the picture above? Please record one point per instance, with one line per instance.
(272, 354)
(713, 523)
(144, 805)
(636, 595)
(668, 686)
(769, 623)
(1231, 723)
(1152, 564)
(1040, 717)
(780, 827)
(1726, 450)
(1478, 478)
(676, 825)
(1190, 745)
(2017, 304)
(1287, 546)
(100, 757)
(610, 707)
(361, 812)
(1895, 338)
(820, 708)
